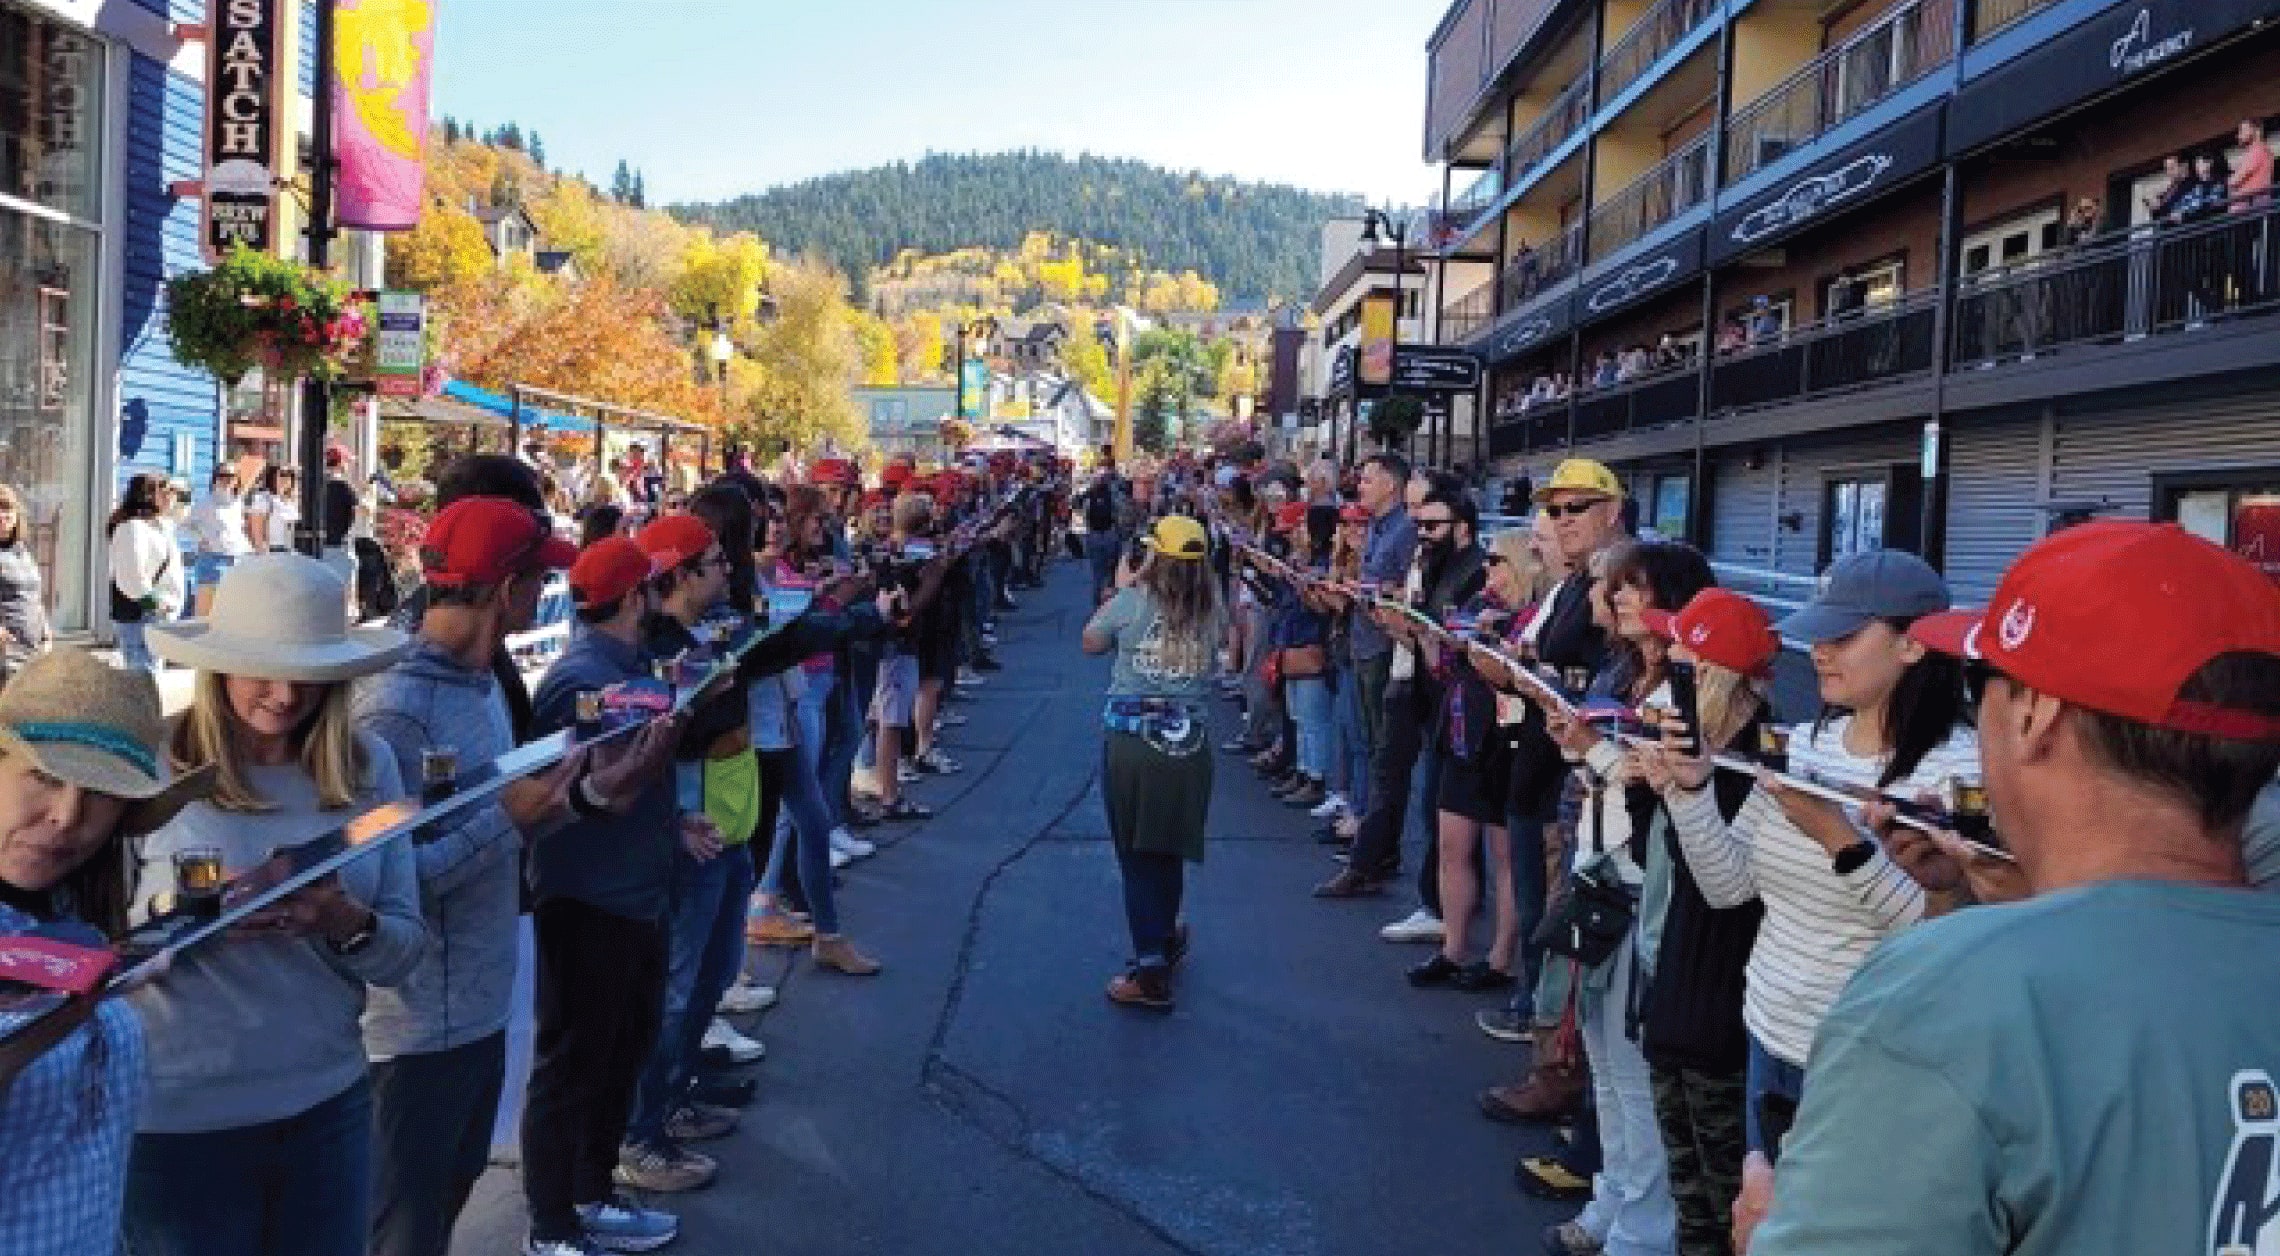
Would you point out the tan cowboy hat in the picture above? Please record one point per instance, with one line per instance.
(279, 617)
(98, 727)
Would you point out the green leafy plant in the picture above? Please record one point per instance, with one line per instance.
(253, 310)
(1396, 419)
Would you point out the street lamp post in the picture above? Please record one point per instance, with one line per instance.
(316, 392)
(1398, 232)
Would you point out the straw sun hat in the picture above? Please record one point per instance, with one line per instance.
(98, 727)
(279, 617)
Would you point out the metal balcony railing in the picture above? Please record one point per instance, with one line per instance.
(1990, 16)
(1838, 353)
(1540, 268)
(1477, 196)
(1471, 312)
(1900, 48)
(2123, 286)
(1648, 39)
(1562, 118)
(1677, 183)
(1670, 395)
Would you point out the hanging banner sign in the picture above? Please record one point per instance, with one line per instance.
(385, 50)
(245, 124)
(1376, 365)
(400, 355)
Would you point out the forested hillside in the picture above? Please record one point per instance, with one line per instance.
(1255, 241)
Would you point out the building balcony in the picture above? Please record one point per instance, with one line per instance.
(1477, 197)
(1468, 314)
(2120, 289)
(1674, 185)
(1539, 269)
(1837, 354)
(1563, 117)
(1871, 65)
(1657, 399)
(1637, 49)
(1990, 16)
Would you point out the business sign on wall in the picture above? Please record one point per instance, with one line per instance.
(1375, 367)
(1658, 271)
(1531, 328)
(1852, 175)
(400, 357)
(245, 124)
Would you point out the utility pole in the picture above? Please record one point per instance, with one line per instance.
(1123, 443)
(316, 393)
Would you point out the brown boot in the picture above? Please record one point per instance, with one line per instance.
(1549, 1092)
(833, 950)
(1146, 988)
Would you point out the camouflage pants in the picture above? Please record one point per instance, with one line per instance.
(1700, 1115)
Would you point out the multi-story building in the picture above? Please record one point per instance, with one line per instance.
(1354, 267)
(1816, 277)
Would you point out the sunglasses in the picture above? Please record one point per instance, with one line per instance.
(1557, 511)
(1433, 525)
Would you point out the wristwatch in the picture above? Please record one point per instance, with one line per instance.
(360, 939)
(1853, 858)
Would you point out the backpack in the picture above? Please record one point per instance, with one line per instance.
(1100, 508)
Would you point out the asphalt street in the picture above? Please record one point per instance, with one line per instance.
(981, 1096)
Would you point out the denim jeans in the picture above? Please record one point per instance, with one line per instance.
(1425, 822)
(1527, 839)
(431, 1136)
(301, 1186)
(1102, 549)
(803, 832)
(1631, 1212)
(134, 648)
(1351, 753)
(1153, 881)
(1309, 700)
(704, 939)
(842, 736)
(1768, 1074)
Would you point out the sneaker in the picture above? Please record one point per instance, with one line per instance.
(907, 773)
(1332, 806)
(937, 762)
(968, 677)
(661, 1171)
(907, 809)
(989, 638)
(1308, 794)
(696, 1122)
(951, 719)
(746, 997)
(856, 847)
(1418, 926)
(1504, 1025)
(1149, 989)
(619, 1225)
(741, 1049)
(840, 859)
(558, 1247)
(1569, 1239)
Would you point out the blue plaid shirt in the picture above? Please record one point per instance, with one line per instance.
(65, 1128)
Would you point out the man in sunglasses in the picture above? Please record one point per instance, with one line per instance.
(2091, 1070)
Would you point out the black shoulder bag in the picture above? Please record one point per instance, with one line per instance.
(1593, 919)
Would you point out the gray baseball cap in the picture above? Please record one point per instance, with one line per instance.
(1874, 584)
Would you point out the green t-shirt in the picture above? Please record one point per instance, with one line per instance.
(1144, 668)
(2089, 1073)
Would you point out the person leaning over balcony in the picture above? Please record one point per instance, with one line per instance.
(2089, 1071)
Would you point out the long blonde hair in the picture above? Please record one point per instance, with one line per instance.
(1186, 594)
(328, 750)
(1725, 701)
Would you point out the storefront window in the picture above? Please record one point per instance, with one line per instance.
(50, 89)
(50, 94)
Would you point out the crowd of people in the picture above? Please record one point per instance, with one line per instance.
(325, 1077)
(1971, 960)
(1734, 943)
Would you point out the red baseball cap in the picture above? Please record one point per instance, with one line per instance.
(896, 474)
(834, 471)
(1723, 627)
(2115, 616)
(674, 539)
(608, 570)
(1353, 512)
(483, 540)
(1289, 515)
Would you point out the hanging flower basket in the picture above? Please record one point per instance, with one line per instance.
(251, 309)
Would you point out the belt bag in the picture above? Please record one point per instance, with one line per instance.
(1168, 726)
(1592, 920)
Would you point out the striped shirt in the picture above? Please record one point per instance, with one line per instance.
(1818, 925)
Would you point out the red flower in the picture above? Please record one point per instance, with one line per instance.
(286, 304)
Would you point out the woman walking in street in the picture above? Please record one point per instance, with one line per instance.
(256, 1139)
(146, 566)
(1163, 625)
(218, 524)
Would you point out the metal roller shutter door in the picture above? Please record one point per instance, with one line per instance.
(1994, 501)
(1741, 527)
(2114, 455)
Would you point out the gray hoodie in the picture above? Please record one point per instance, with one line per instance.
(469, 869)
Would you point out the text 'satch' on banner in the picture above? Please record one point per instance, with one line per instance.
(384, 51)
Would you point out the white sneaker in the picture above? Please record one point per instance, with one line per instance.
(1333, 805)
(747, 996)
(740, 1049)
(1418, 926)
(968, 677)
(840, 858)
(856, 847)
(907, 774)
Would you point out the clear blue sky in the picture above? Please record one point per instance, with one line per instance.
(711, 98)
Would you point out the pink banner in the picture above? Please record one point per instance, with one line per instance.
(384, 51)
